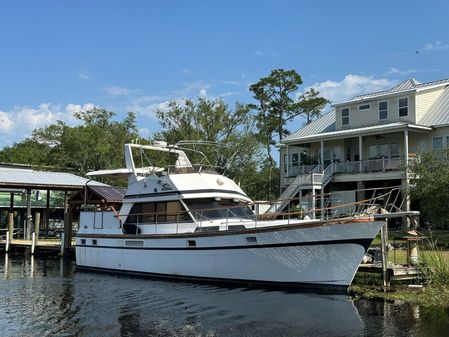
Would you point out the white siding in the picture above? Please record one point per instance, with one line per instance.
(424, 101)
(360, 118)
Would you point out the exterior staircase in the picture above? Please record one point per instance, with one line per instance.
(303, 181)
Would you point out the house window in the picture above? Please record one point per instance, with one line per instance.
(373, 152)
(365, 107)
(345, 116)
(384, 150)
(394, 150)
(447, 141)
(383, 110)
(403, 107)
(295, 159)
(437, 142)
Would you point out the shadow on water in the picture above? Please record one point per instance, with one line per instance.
(46, 297)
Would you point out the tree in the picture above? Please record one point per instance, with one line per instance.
(98, 143)
(277, 102)
(431, 177)
(213, 121)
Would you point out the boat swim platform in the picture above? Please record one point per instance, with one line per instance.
(42, 246)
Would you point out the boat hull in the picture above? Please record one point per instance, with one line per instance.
(320, 255)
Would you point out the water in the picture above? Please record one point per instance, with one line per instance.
(47, 297)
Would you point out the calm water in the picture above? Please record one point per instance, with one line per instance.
(47, 297)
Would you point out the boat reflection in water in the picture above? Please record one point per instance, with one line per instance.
(56, 301)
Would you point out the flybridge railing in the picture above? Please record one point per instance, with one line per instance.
(319, 206)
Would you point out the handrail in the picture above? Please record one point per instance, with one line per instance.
(324, 206)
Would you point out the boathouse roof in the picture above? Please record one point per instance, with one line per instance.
(14, 177)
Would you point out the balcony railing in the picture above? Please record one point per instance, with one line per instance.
(372, 165)
(364, 166)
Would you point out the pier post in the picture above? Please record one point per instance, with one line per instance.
(33, 242)
(11, 225)
(37, 222)
(62, 249)
(7, 242)
(383, 239)
(29, 217)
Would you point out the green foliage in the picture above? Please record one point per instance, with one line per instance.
(432, 186)
(277, 102)
(434, 265)
(211, 120)
(98, 143)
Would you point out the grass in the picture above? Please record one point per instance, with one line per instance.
(433, 264)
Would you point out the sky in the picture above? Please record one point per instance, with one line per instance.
(58, 57)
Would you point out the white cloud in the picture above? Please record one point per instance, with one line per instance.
(202, 93)
(114, 90)
(352, 85)
(19, 122)
(396, 71)
(186, 71)
(84, 76)
(435, 46)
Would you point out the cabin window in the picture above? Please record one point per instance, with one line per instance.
(437, 142)
(210, 209)
(394, 150)
(345, 116)
(83, 241)
(403, 107)
(191, 243)
(94, 242)
(157, 212)
(383, 110)
(365, 107)
(295, 159)
(251, 239)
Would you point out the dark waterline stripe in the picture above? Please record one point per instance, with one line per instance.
(362, 242)
(162, 194)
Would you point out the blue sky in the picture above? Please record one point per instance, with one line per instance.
(57, 57)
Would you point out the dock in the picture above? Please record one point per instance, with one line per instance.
(394, 272)
(41, 247)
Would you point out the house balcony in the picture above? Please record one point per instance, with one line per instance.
(351, 167)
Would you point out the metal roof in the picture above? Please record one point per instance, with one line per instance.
(25, 178)
(326, 123)
(438, 113)
(408, 85)
(109, 193)
(375, 129)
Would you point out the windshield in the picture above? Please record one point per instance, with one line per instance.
(211, 209)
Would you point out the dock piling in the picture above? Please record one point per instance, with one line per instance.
(33, 242)
(7, 242)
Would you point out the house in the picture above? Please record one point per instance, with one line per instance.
(365, 142)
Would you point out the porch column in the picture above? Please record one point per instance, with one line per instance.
(288, 163)
(406, 182)
(360, 153)
(406, 147)
(322, 155)
(27, 232)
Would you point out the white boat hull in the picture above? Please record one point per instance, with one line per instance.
(318, 255)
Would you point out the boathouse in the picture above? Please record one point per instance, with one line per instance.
(37, 201)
